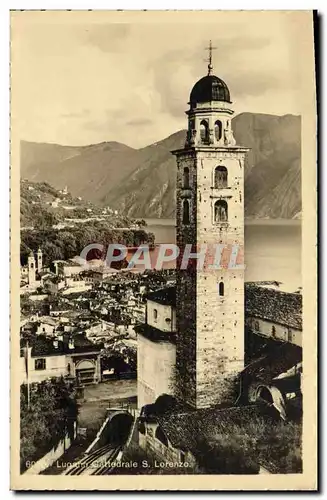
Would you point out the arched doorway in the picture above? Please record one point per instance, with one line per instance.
(85, 371)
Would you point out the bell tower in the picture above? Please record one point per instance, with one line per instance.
(31, 268)
(39, 260)
(209, 212)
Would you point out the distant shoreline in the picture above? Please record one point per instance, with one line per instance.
(248, 222)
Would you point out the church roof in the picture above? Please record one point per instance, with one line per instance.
(184, 429)
(165, 296)
(209, 88)
(273, 305)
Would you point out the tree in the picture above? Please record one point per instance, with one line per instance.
(50, 414)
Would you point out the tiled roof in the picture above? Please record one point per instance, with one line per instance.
(43, 346)
(184, 430)
(166, 296)
(72, 263)
(273, 305)
(277, 361)
(194, 429)
(266, 303)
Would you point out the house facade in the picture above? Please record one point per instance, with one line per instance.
(74, 357)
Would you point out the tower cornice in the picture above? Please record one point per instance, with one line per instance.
(210, 149)
(209, 109)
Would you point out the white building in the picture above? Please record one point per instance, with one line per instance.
(156, 347)
(72, 356)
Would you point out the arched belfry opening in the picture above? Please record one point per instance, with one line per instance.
(221, 211)
(186, 212)
(218, 130)
(204, 131)
(221, 288)
(186, 178)
(221, 177)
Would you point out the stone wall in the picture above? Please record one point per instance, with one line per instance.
(49, 458)
(155, 369)
(149, 442)
(186, 285)
(210, 327)
(220, 319)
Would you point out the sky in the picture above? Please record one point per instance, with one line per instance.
(85, 79)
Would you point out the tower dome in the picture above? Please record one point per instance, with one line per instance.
(209, 88)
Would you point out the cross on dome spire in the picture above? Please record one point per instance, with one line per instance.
(210, 49)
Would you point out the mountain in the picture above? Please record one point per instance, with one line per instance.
(88, 171)
(272, 171)
(150, 189)
(141, 183)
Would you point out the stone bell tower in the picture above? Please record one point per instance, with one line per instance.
(39, 260)
(210, 211)
(31, 268)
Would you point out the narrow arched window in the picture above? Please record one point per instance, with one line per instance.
(161, 436)
(273, 331)
(204, 131)
(186, 212)
(218, 130)
(155, 315)
(221, 289)
(186, 178)
(221, 211)
(221, 177)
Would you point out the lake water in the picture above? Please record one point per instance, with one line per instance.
(272, 248)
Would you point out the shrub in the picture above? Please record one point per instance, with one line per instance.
(51, 413)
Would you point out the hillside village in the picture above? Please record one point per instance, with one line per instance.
(67, 297)
(64, 225)
(41, 204)
(81, 310)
